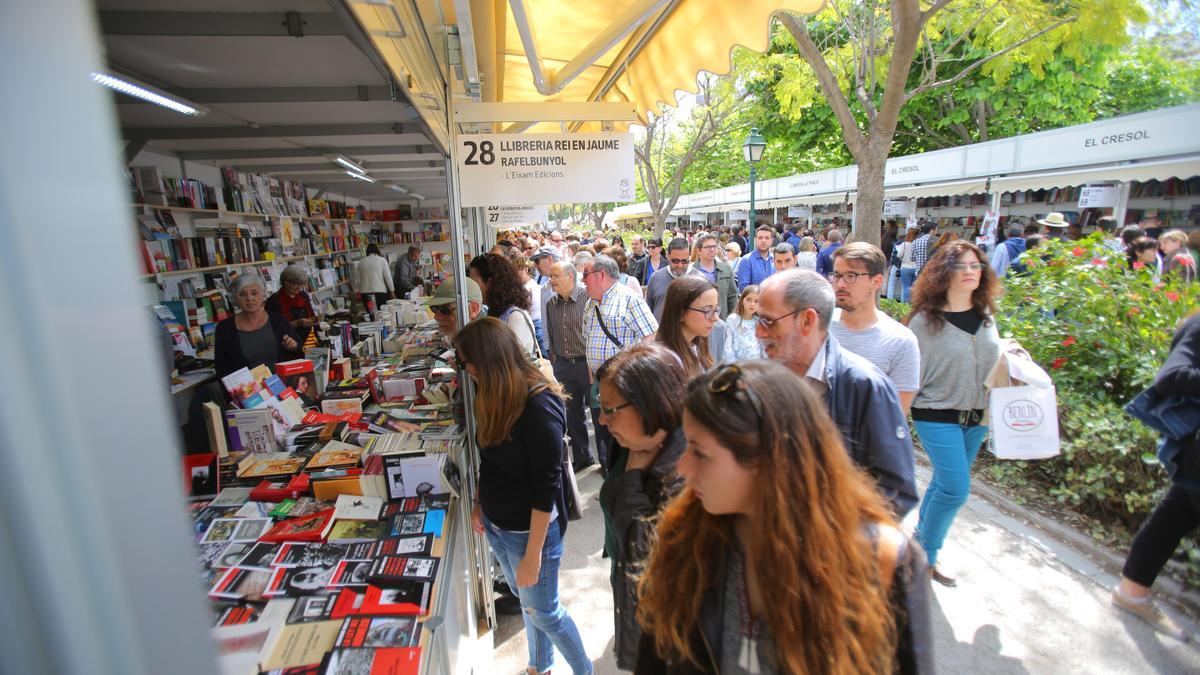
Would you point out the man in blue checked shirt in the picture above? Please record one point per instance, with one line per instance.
(758, 264)
(615, 319)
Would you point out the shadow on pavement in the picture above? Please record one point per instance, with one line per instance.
(1160, 651)
(981, 655)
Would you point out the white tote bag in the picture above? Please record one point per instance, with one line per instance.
(1023, 422)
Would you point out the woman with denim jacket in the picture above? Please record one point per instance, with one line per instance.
(1179, 513)
(952, 317)
(779, 556)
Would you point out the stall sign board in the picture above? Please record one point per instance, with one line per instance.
(516, 215)
(1098, 196)
(799, 212)
(893, 208)
(521, 169)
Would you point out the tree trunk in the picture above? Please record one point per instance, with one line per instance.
(660, 224)
(868, 207)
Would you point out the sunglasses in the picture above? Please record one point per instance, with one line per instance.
(444, 310)
(770, 323)
(679, 261)
(728, 380)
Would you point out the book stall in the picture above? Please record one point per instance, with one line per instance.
(328, 526)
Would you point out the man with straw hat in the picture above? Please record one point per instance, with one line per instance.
(1055, 224)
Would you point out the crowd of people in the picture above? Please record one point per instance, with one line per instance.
(751, 423)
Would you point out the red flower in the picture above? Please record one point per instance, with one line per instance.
(1069, 341)
(1138, 264)
(1184, 259)
(1098, 262)
(1134, 310)
(1058, 363)
(1077, 251)
(1172, 296)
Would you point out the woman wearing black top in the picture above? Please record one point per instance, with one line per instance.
(521, 505)
(255, 335)
(641, 406)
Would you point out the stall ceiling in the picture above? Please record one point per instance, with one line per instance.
(277, 103)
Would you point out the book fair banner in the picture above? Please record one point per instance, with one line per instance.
(498, 216)
(522, 169)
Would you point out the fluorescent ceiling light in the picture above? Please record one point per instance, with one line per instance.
(131, 87)
(346, 162)
(416, 196)
(360, 176)
(398, 188)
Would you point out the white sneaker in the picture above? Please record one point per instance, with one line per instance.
(1150, 613)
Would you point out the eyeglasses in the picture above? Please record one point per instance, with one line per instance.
(963, 267)
(609, 412)
(709, 313)
(728, 380)
(679, 261)
(770, 323)
(848, 277)
(585, 274)
(444, 310)
(708, 247)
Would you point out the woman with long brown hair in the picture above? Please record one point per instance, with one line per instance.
(779, 556)
(954, 305)
(520, 504)
(690, 311)
(506, 297)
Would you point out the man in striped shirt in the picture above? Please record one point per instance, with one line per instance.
(563, 315)
(920, 247)
(615, 318)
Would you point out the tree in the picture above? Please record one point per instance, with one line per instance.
(596, 212)
(666, 150)
(870, 58)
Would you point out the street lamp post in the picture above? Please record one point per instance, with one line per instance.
(752, 150)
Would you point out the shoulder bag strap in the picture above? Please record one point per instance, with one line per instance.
(604, 328)
(537, 347)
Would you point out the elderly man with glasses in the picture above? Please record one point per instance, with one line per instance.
(795, 310)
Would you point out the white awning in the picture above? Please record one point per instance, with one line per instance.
(964, 187)
(740, 206)
(1142, 171)
(839, 197)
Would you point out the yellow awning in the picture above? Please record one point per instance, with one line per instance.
(671, 42)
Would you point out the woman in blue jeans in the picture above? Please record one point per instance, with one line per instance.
(952, 317)
(520, 504)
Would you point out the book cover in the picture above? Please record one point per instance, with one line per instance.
(309, 608)
(320, 360)
(335, 454)
(302, 644)
(259, 556)
(350, 507)
(309, 555)
(254, 510)
(356, 531)
(406, 597)
(299, 374)
(412, 545)
(272, 465)
(235, 529)
(307, 528)
(215, 427)
(233, 554)
(294, 582)
(391, 631)
(389, 569)
(200, 475)
(241, 385)
(238, 615)
(251, 430)
(373, 661)
(238, 583)
(422, 475)
(350, 573)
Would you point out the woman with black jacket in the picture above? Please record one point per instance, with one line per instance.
(254, 335)
(520, 421)
(1179, 512)
(641, 406)
(780, 556)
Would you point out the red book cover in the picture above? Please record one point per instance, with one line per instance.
(308, 528)
(375, 661)
(200, 475)
(407, 597)
(348, 603)
(299, 375)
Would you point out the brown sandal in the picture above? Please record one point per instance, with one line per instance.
(942, 579)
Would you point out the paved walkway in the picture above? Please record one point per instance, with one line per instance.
(1025, 603)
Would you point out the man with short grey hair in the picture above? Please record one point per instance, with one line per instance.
(616, 319)
(1010, 249)
(677, 265)
(795, 309)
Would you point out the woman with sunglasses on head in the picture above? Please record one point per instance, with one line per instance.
(779, 556)
(954, 304)
(641, 407)
(520, 503)
(690, 313)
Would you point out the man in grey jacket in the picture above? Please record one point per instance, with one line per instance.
(677, 264)
(795, 308)
(710, 266)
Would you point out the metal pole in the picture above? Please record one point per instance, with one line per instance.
(750, 216)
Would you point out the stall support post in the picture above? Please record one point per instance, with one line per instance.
(1122, 204)
(750, 215)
